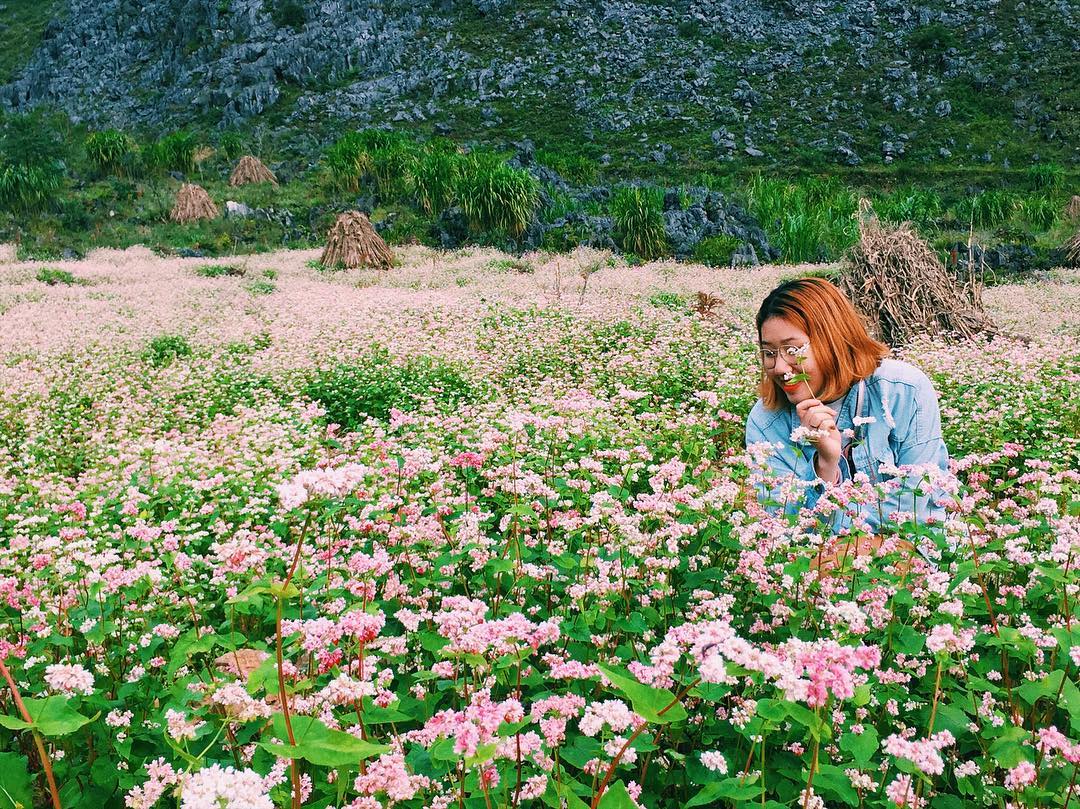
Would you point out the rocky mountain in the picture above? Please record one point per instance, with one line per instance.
(634, 82)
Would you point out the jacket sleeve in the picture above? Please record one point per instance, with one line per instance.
(786, 463)
(918, 442)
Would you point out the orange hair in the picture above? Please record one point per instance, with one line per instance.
(843, 350)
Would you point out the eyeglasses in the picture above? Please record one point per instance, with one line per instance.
(792, 354)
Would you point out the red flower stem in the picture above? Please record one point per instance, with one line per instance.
(282, 696)
(615, 762)
(46, 764)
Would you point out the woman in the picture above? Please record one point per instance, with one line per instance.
(837, 406)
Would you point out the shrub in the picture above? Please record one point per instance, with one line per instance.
(668, 300)
(347, 161)
(53, 276)
(511, 265)
(921, 207)
(1040, 212)
(165, 348)
(31, 163)
(390, 168)
(174, 152)
(433, 176)
(219, 270)
(716, 251)
(261, 286)
(232, 145)
(111, 152)
(370, 387)
(575, 169)
(930, 39)
(638, 219)
(494, 196)
(988, 209)
(1046, 175)
(287, 13)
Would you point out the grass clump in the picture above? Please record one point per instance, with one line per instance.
(219, 270)
(373, 385)
(53, 276)
(112, 152)
(165, 348)
(638, 218)
(716, 251)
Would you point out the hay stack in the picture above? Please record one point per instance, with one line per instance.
(1072, 251)
(353, 242)
(251, 170)
(193, 203)
(896, 281)
(1072, 210)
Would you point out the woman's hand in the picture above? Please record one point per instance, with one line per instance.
(816, 416)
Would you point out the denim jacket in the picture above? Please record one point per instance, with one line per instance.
(905, 430)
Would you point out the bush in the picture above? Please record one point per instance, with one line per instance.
(932, 38)
(174, 152)
(1046, 175)
(219, 270)
(287, 13)
(494, 196)
(232, 145)
(53, 276)
(261, 286)
(166, 348)
(433, 176)
(668, 300)
(1040, 212)
(575, 169)
(812, 220)
(921, 207)
(371, 387)
(638, 219)
(111, 152)
(31, 163)
(716, 251)
(989, 209)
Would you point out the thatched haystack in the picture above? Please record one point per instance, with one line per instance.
(192, 204)
(353, 242)
(1072, 210)
(1072, 250)
(899, 285)
(250, 170)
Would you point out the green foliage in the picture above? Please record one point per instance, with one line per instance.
(811, 220)
(232, 144)
(575, 169)
(262, 286)
(988, 209)
(932, 38)
(174, 152)
(53, 276)
(716, 251)
(390, 167)
(511, 265)
(287, 13)
(219, 270)
(112, 152)
(32, 163)
(638, 219)
(434, 176)
(165, 348)
(1046, 175)
(668, 300)
(372, 385)
(922, 207)
(494, 196)
(1040, 211)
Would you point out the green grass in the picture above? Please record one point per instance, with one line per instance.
(25, 21)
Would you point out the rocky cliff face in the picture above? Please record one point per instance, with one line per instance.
(855, 80)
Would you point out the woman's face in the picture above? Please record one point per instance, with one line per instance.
(778, 337)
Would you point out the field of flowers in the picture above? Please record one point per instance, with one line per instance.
(481, 533)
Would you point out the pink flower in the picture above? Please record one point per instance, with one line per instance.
(69, 680)
(1020, 776)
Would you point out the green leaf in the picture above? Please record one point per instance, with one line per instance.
(616, 797)
(1007, 749)
(15, 782)
(317, 743)
(52, 716)
(861, 746)
(1048, 686)
(736, 789)
(646, 700)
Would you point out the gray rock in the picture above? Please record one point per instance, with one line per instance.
(943, 109)
(237, 210)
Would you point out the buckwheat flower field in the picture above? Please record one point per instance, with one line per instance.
(462, 535)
